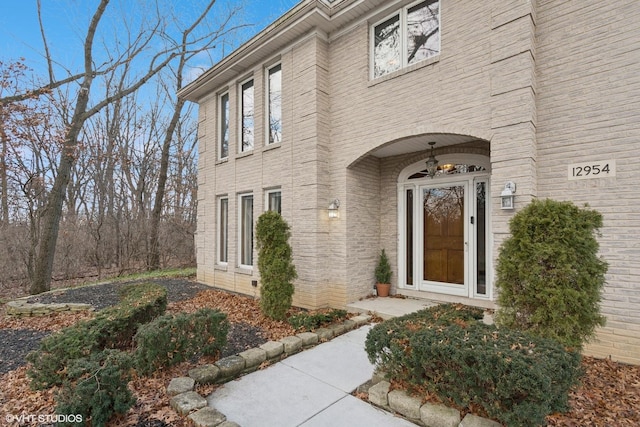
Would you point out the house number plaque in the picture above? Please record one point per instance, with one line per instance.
(592, 170)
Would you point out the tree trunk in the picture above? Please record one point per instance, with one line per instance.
(4, 187)
(156, 213)
(53, 211)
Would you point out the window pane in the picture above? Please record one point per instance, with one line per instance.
(275, 104)
(223, 230)
(386, 48)
(246, 231)
(275, 201)
(224, 126)
(247, 116)
(409, 234)
(423, 31)
(481, 238)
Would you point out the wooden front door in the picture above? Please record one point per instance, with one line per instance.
(444, 231)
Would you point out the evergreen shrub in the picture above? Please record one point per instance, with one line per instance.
(169, 340)
(514, 377)
(275, 263)
(310, 322)
(113, 327)
(548, 274)
(96, 388)
(383, 269)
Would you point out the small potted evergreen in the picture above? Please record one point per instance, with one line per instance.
(383, 275)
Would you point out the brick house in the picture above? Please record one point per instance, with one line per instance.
(336, 103)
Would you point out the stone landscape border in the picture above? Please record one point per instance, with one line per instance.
(186, 402)
(23, 308)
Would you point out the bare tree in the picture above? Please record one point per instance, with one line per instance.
(137, 44)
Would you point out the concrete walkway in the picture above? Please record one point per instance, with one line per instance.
(310, 389)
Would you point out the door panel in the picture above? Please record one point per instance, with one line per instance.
(444, 242)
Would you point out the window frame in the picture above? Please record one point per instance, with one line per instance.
(268, 105)
(402, 13)
(221, 125)
(241, 116)
(223, 231)
(242, 228)
(267, 199)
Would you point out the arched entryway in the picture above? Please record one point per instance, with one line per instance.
(444, 227)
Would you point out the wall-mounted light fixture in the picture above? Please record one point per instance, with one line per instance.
(507, 196)
(333, 209)
(432, 162)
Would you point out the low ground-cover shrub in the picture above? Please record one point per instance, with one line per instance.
(312, 321)
(390, 333)
(169, 340)
(112, 327)
(96, 388)
(515, 377)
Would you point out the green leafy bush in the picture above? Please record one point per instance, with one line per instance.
(310, 322)
(549, 275)
(515, 377)
(112, 327)
(275, 263)
(169, 340)
(96, 388)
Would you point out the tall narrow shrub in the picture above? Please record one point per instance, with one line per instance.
(275, 263)
(549, 275)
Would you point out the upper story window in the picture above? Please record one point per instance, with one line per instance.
(223, 147)
(409, 36)
(247, 116)
(274, 105)
(274, 200)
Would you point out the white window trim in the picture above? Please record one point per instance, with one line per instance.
(267, 106)
(267, 193)
(241, 115)
(219, 231)
(220, 121)
(403, 36)
(241, 196)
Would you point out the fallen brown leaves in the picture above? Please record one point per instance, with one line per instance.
(16, 397)
(608, 396)
(52, 322)
(152, 401)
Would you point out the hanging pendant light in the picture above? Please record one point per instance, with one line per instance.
(432, 162)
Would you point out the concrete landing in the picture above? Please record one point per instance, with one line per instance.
(389, 307)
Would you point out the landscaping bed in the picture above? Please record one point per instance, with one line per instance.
(248, 329)
(609, 394)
